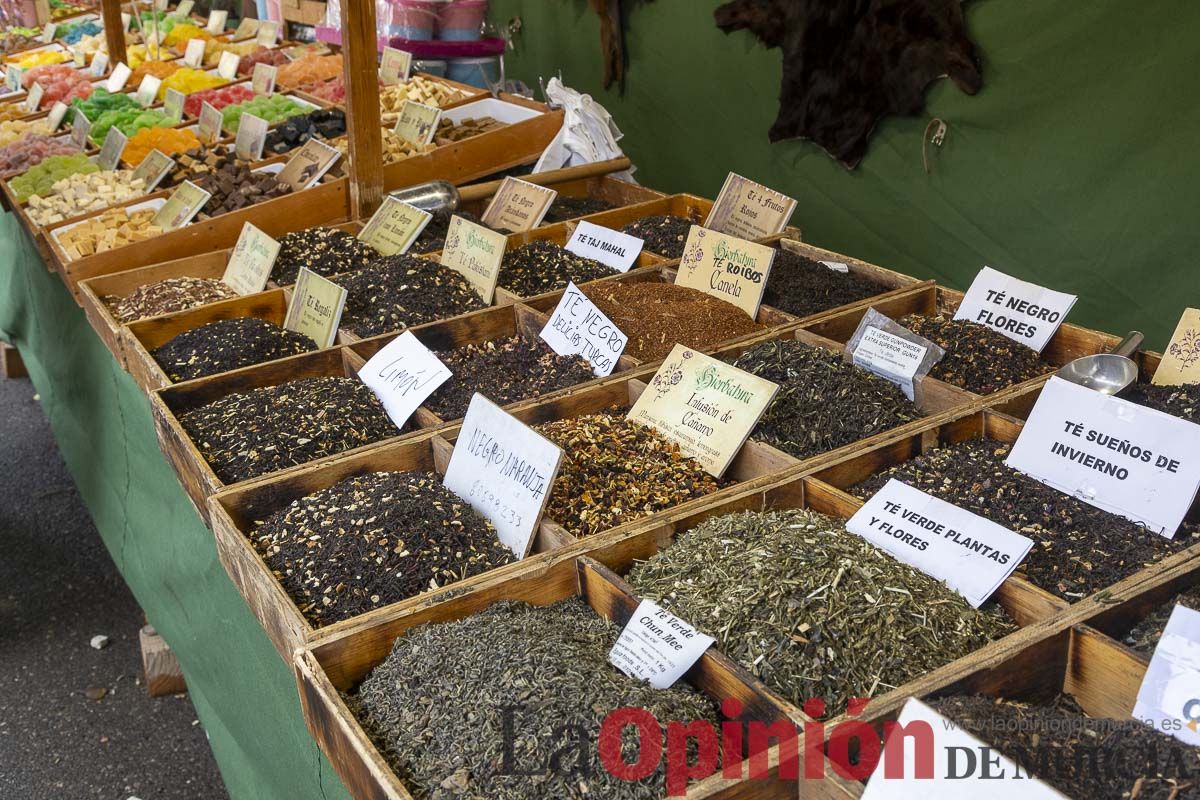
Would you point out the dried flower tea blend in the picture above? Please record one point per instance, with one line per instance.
(397, 292)
(543, 266)
(228, 344)
(325, 251)
(664, 234)
(978, 358)
(1178, 401)
(167, 297)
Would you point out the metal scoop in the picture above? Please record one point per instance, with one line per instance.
(1107, 373)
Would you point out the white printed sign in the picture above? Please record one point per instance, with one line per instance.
(657, 646)
(962, 766)
(1169, 699)
(611, 248)
(504, 470)
(402, 375)
(99, 64)
(1116, 455)
(1022, 311)
(227, 66)
(890, 356)
(147, 90)
(216, 21)
(193, 55)
(116, 81)
(579, 327)
(970, 554)
(58, 111)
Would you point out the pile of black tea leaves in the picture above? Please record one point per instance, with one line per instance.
(543, 266)
(1143, 637)
(978, 358)
(325, 251)
(227, 344)
(662, 234)
(1178, 401)
(566, 207)
(803, 287)
(397, 292)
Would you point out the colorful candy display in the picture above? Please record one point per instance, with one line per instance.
(16, 129)
(128, 121)
(214, 50)
(36, 58)
(79, 30)
(273, 109)
(309, 69)
(136, 54)
(30, 151)
(166, 140)
(82, 193)
(218, 98)
(59, 83)
(17, 39)
(262, 55)
(100, 101)
(39, 178)
(180, 35)
(159, 69)
(188, 80)
(334, 91)
(108, 231)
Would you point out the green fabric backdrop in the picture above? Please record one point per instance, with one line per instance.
(1071, 167)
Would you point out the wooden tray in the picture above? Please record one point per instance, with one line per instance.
(605, 187)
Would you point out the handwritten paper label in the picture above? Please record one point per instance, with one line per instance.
(81, 126)
(34, 98)
(308, 164)
(749, 210)
(173, 104)
(153, 169)
(99, 64)
(1124, 458)
(476, 253)
(216, 21)
(657, 646)
(262, 80)
(518, 205)
(504, 470)
(962, 766)
(49, 31)
(116, 81)
(227, 66)
(394, 66)
(611, 248)
(1022, 311)
(402, 375)
(316, 307)
(147, 91)
(417, 122)
(267, 34)
(110, 152)
(78, 58)
(1169, 698)
(251, 135)
(394, 227)
(184, 9)
(728, 268)
(246, 28)
(579, 327)
(58, 113)
(970, 554)
(183, 204)
(704, 405)
(12, 78)
(1181, 360)
(251, 261)
(209, 128)
(889, 356)
(193, 55)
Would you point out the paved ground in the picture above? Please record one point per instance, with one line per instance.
(58, 588)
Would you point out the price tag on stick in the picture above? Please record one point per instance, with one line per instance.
(246, 28)
(251, 136)
(12, 78)
(147, 91)
(184, 9)
(58, 112)
(316, 308)
(394, 66)
(48, 32)
(417, 122)
(1181, 360)
(216, 21)
(209, 128)
(726, 267)
(267, 34)
(476, 253)
(99, 64)
(116, 81)
(183, 205)
(402, 375)
(153, 169)
(749, 210)
(504, 470)
(173, 104)
(657, 646)
(250, 263)
(308, 164)
(1169, 698)
(193, 56)
(227, 66)
(110, 152)
(394, 227)
(263, 79)
(81, 126)
(34, 98)
(611, 248)
(1022, 311)
(579, 327)
(518, 206)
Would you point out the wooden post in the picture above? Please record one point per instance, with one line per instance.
(114, 31)
(361, 69)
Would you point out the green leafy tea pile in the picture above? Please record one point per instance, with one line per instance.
(978, 358)
(1178, 401)
(375, 539)
(436, 707)
(1080, 756)
(823, 402)
(663, 234)
(656, 316)
(325, 251)
(1144, 636)
(253, 433)
(802, 286)
(228, 344)
(614, 471)
(811, 609)
(167, 297)
(543, 266)
(397, 292)
(564, 208)
(504, 371)
(1077, 548)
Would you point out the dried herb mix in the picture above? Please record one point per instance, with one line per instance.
(664, 234)
(1178, 401)
(801, 286)
(228, 344)
(823, 402)
(564, 208)
(1144, 636)
(1080, 756)
(811, 609)
(397, 292)
(167, 297)
(657, 316)
(436, 707)
(542, 266)
(614, 471)
(978, 358)
(1078, 549)
(325, 251)
(505, 371)
(268, 429)
(375, 539)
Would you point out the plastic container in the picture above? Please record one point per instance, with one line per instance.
(480, 72)
(414, 19)
(462, 20)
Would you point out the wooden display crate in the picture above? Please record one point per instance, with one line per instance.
(678, 205)
(338, 663)
(612, 190)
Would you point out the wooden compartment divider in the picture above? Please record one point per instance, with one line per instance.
(604, 187)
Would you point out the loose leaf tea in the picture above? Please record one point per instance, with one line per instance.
(543, 266)
(1144, 636)
(433, 238)
(1078, 549)
(657, 316)
(443, 704)
(504, 371)
(167, 297)
(1178, 401)
(397, 292)
(325, 251)
(228, 344)
(271, 428)
(823, 402)
(614, 471)
(978, 358)
(664, 234)
(1080, 756)
(375, 539)
(801, 286)
(564, 208)
(811, 609)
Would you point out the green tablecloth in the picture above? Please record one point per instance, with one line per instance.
(244, 694)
